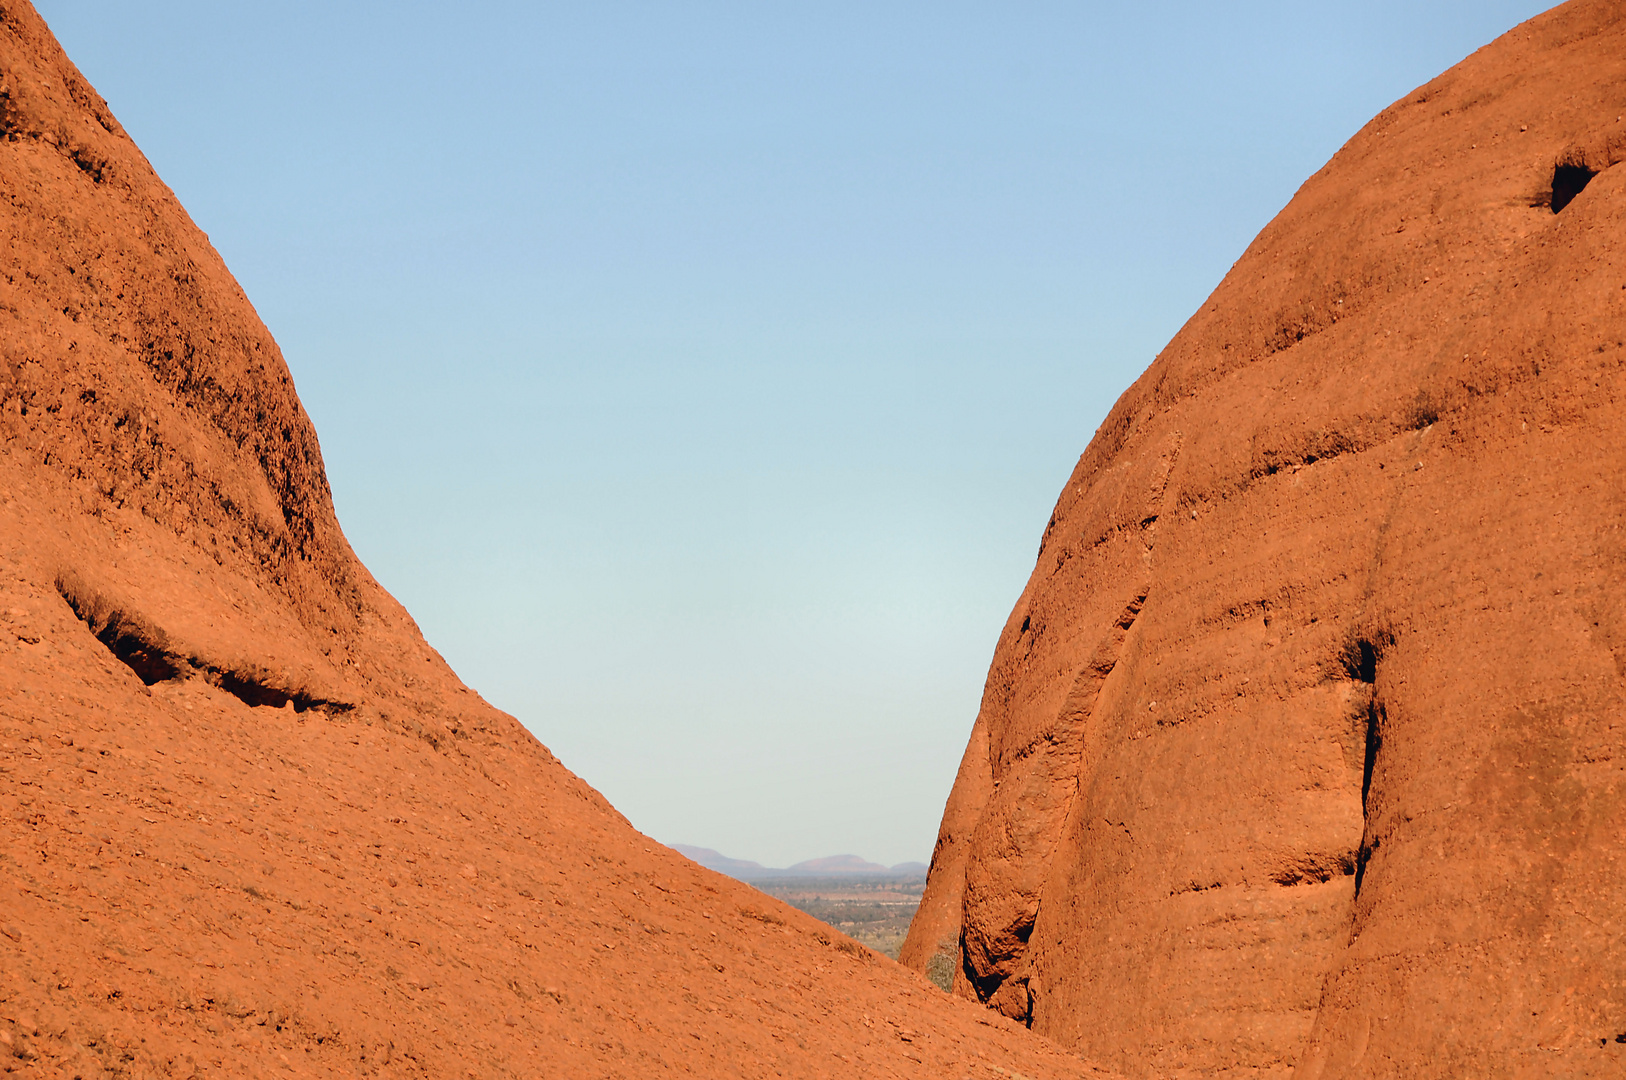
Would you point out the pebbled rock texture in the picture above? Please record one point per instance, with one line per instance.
(250, 823)
(1304, 749)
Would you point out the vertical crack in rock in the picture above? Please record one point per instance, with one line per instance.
(1023, 823)
(1361, 663)
(1086, 690)
(1037, 784)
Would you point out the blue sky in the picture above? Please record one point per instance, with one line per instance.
(702, 375)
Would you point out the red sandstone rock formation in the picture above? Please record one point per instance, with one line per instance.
(1305, 746)
(250, 823)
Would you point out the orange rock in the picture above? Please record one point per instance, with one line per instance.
(249, 820)
(1304, 741)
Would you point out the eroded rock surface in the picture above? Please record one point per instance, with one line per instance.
(1305, 745)
(250, 823)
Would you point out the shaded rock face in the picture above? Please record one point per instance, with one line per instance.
(250, 822)
(1305, 746)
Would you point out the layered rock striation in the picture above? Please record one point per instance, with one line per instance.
(1304, 747)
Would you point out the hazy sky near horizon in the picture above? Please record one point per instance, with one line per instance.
(702, 375)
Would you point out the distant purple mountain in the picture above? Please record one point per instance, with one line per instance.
(834, 865)
(716, 860)
(829, 866)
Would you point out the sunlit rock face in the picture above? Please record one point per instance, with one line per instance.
(1303, 748)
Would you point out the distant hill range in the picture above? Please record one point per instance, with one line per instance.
(830, 866)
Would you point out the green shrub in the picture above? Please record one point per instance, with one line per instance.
(941, 967)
